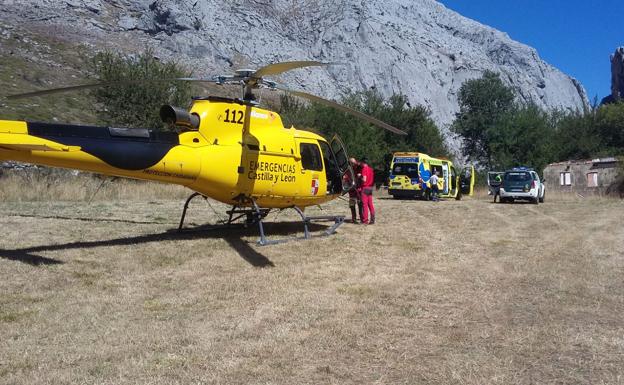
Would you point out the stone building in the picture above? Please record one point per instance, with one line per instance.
(586, 177)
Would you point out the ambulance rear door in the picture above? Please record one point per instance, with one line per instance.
(467, 180)
(445, 178)
(453, 179)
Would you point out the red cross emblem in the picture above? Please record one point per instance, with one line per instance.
(315, 186)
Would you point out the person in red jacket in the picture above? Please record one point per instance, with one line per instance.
(368, 181)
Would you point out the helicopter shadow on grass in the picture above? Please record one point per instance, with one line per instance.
(82, 219)
(231, 234)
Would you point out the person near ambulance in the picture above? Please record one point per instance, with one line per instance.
(368, 182)
(433, 181)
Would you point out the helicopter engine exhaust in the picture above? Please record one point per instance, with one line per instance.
(179, 117)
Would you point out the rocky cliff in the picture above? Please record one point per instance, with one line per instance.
(617, 76)
(415, 47)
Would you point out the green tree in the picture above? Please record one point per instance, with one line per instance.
(609, 125)
(363, 139)
(422, 133)
(523, 136)
(500, 133)
(576, 136)
(592, 133)
(141, 85)
(483, 104)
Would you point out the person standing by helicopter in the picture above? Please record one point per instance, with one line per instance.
(355, 194)
(368, 182)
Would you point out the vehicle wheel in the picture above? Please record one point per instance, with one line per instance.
(543, 197)
(535, 201)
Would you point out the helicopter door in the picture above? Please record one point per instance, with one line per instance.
(467, 180)
(311, 168)
(332, 171)
(342, 161)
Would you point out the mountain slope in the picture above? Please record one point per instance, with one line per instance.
(415, 47)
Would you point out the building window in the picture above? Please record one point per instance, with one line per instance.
(592, 179)
(565, 179)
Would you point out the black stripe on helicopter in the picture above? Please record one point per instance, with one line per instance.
(124, 148)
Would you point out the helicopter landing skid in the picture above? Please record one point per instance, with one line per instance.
(337, 219)
(188, 200)
(255, 215)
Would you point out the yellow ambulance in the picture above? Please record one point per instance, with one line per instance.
(410, 174)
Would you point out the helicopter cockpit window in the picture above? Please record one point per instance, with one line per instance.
(310, 157)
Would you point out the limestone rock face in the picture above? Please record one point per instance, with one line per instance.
(415, 47)
(617, 74)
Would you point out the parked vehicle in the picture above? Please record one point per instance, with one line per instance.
(522, 183)
(410, 173)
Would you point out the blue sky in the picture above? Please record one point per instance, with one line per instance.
(576, 36)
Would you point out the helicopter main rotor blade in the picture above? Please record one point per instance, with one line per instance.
(102, 84)
(278, 68)
(343, 108)
(54, 91)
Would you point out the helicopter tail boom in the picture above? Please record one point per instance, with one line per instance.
(132, 153)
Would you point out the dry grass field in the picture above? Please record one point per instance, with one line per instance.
(100, 290)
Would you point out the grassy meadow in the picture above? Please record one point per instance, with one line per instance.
(98, 288)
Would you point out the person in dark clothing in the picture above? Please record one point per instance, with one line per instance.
(496, 185)
(355, 194)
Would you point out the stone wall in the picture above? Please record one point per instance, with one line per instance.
(608, 173)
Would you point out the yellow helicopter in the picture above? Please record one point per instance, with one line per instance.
(230, 150)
